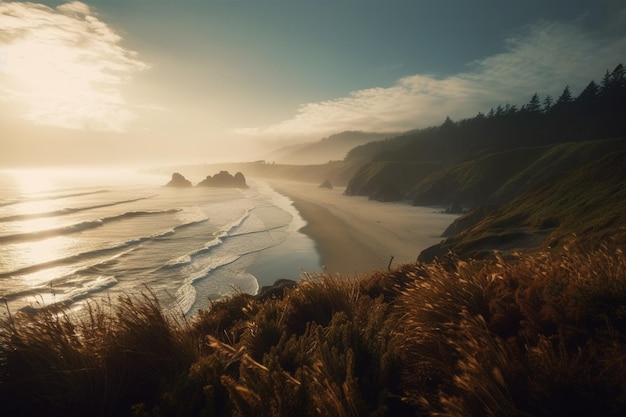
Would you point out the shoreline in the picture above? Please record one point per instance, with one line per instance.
(296, 255)
(356, 235)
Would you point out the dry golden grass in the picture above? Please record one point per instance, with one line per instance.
(532, 335)
(97, 363)
(538, 335)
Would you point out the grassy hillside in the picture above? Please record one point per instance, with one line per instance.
(540, 335)
(555, 160)
(585, 205)
(496, 178)
(387, 181)
(478, 155)
(487, 178)
(471, 183)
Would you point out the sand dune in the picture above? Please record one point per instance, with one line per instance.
(354, 234)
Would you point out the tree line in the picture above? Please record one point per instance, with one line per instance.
(598, 112)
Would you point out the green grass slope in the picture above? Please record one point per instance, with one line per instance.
(471, 183)
(554, 161)
(386, 180)
(497, 178)
(585, 205)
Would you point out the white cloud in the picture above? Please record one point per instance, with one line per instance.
(543, 58)
(65, 67)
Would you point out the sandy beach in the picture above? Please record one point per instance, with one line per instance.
(354, 234)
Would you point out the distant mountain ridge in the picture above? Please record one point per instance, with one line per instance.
(331, 148)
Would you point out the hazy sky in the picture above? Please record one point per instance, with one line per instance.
(171, 81)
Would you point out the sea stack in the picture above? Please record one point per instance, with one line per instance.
(225, 180)
(178, 181)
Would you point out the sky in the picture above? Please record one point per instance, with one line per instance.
(162, 82)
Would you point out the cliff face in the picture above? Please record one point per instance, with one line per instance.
(582, 206)
(490, 178)
(387, 180)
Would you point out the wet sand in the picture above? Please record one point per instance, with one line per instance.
(354, 234)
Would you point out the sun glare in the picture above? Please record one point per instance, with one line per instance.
(45, 71)
(28, 182)
(58, 86)
(32, 181)
(66, 66)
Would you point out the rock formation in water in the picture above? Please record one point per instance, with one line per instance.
(178, 181)
(224, 179)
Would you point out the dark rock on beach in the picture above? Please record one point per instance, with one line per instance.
(277, 290)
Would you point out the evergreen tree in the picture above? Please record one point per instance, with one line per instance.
(618, 78)
(614, 101)
(596, 113)
(548, 102)
(534, 105)
(448, 123)
(509, 109)
(590, 92)
(614, 81)
(606, 83)
(565, 97)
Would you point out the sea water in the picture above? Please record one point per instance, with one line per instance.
(68, 236)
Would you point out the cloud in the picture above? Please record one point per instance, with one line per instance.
(541, 58)
(64, 66)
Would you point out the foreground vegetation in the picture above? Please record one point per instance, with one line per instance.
(532, 335)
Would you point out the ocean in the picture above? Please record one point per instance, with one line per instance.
(68, 236)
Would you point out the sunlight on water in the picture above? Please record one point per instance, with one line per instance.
(31, 190)
(67, 235)
(42, 299)
(31, 181)
(38, 180)
(36, 253)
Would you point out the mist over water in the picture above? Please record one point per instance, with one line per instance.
(67, 237)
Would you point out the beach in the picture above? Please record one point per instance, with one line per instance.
(355, 235)
(70, 242)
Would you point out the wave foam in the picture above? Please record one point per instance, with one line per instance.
(79, 227)
(85, 291)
